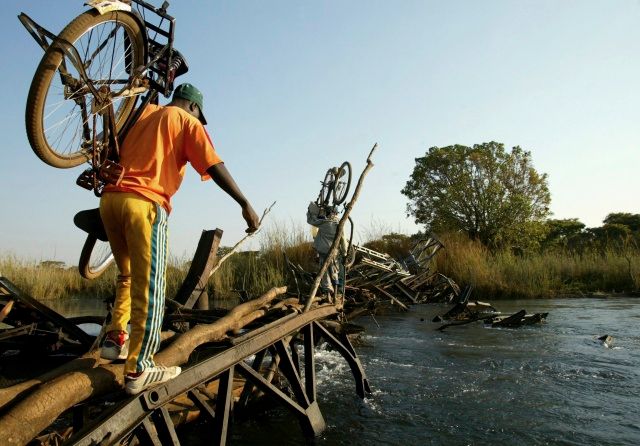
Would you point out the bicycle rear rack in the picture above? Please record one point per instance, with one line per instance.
(166, 63)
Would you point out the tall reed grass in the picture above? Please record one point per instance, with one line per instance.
(493, 274)
(258, 271)
(251, 271)
(547, 274)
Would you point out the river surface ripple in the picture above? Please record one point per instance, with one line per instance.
(550, 384)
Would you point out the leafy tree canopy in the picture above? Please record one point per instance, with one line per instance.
(631, 221)
(560, 232)
(493, 195)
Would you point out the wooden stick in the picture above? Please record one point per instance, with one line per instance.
(392, 297)
(242, 240)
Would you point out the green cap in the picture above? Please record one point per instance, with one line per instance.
(192, 94)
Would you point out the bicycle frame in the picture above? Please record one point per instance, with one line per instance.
(162, 65)
(334, 185)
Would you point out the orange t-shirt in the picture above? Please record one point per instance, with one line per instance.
(156, 150)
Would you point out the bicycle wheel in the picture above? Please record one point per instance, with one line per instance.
(342, 183)
(58, 115)
(326, 190)
(95, 258)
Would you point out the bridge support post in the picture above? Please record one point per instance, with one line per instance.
(194, 286)
(224, 405)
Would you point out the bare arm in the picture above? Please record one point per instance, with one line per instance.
(225, 181)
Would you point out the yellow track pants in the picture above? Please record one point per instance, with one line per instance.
(137, 231)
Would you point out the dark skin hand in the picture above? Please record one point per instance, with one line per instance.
(221, 175)
(223, 179)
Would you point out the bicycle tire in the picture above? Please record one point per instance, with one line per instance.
(326, 190)
(51, 150)
(94, 261)
(350, 257)
(341, 186)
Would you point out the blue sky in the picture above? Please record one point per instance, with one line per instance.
(293, 87)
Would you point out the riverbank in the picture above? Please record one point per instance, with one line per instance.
(494, 275)
(252, 272)
(557, 273)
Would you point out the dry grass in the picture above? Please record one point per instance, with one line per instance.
(252, 271)
(546, 274)
(493, 275)
(257, 271)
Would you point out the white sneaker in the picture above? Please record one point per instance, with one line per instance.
(115, 346)
(151, 376)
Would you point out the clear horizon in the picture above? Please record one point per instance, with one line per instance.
(292, 88)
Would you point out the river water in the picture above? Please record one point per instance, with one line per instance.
(549, 384)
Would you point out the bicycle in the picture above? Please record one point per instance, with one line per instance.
(85, 92)
(96, 255)
(335, 186)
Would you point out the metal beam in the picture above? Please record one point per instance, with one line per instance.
(201, 402)
(347, 352)
(127, 416)
(248, 386)
(309, 363)
(164, 427)
(224, 404)
(290, 372)
(311, 419)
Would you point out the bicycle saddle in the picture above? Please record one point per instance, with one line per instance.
(91, 223)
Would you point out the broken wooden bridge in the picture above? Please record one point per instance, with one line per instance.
(222, 376)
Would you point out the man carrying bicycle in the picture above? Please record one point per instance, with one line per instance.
(326, 220)
(135, 211)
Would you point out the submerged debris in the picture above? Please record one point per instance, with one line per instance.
(466, 311)
(606, 340)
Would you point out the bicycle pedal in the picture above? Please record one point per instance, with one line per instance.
(86, 179)
(111, 172)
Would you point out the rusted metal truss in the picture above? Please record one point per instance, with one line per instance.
(31, 323)
(408, 282)
(288, 341)
(194, 287)
(146, 417)
(423, 251)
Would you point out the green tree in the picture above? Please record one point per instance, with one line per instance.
(561, 232)
(631, 221)
(493, 195)
(611, 235)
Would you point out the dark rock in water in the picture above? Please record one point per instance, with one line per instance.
(518, 319)
(607, 340)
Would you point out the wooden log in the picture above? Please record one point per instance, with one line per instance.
(87, 361)
(27, 418)
(178, 352)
